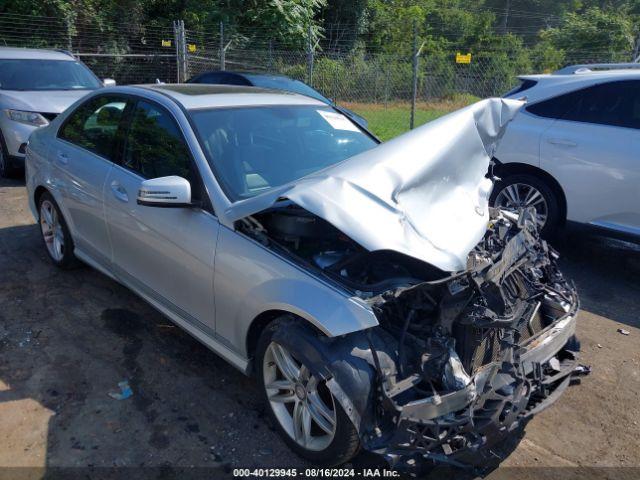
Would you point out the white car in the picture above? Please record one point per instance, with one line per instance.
(35, 87)
(574, 151)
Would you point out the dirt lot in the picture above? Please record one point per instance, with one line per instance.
(68, 338)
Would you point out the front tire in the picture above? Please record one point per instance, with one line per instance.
(308, 418)
(55, 233)
(517, 191)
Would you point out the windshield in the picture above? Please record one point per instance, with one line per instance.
(17, 74)
(283, 83)
(254, 149)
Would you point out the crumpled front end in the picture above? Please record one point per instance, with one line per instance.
(461, 362)
(424, 194)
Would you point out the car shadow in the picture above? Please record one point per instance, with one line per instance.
(16, 181)
(68, 338)
(606, 272)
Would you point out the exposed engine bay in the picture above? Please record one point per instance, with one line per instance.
(316, 244)
(460, 360)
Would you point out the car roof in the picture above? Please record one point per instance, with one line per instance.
(10, 53)
(253, 75)
(551, 84)
(247, 75)
(198, 95)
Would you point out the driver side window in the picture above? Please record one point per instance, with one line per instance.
(155, 147)
(93, 126)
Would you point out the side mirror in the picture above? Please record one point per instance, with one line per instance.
(168, 192)
(108, 82)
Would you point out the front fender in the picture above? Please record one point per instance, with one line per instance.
(250, 279)
(328, 310)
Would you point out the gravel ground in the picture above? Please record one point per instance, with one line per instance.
(68, 338)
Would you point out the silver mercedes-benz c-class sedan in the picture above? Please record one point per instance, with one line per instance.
(377, 298)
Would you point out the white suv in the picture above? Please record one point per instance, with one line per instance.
(574, 151)
(35, 86)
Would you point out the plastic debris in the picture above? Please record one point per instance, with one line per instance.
(623, 331)
(599, 346)
(582, 370)
(124, 393)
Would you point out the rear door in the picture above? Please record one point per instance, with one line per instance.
(166, 253)
(593, 150)
(83, 155)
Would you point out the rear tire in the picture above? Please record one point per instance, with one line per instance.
(328, 446)
(55, 233)
(520, 189)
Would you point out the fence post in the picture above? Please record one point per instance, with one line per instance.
(414, 90)
(222, 59)
(185, 65)
(270, 55)
(176, 39)
(386, 83)
(309, 57)
(69, 34)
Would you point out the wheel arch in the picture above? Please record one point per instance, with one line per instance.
(505, 169)
(37, 193)
(260, 322)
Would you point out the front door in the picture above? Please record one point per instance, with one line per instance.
(167, 253)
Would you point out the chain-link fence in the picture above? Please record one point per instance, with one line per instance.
(128, 53)
(392, 91)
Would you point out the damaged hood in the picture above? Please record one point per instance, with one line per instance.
(424, 194)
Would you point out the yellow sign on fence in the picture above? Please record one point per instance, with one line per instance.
(166, 43)
(460, 58)
(191, 47)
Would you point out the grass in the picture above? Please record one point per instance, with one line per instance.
(390, 120)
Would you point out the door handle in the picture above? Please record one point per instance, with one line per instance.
(119, 192)
(562, 142)
(62, 158)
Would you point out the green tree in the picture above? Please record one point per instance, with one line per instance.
(593, 35)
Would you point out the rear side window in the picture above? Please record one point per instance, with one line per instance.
(556, 107)
(154, 146)
(616, 104)
(613, 103)
(93, 125)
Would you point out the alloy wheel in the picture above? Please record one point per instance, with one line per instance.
(517, 196)
(301, 403)
(52, 230)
